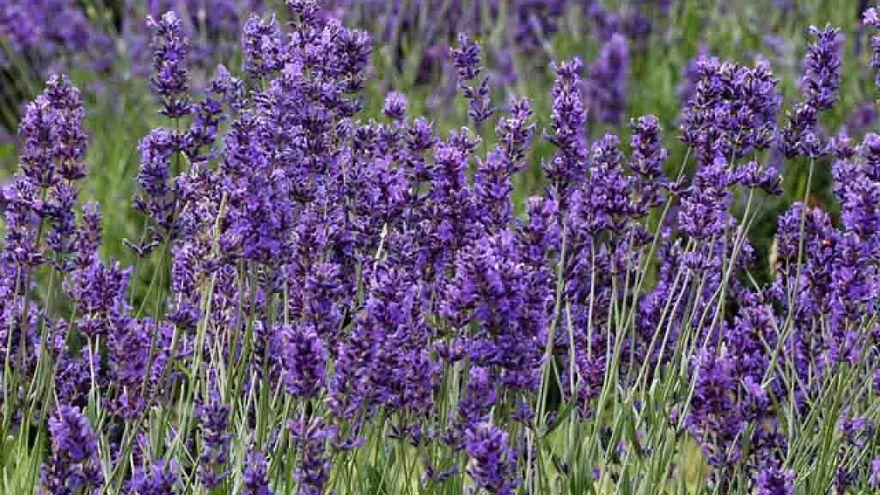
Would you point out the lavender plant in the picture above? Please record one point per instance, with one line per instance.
(340, 304)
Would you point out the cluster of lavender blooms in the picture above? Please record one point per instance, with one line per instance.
(44, 30)
(212, 28)
(56, 35)
(48, 31)
(340, 290)
(40, 37)
(107, 38)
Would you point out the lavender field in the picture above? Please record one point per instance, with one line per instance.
(439, 247)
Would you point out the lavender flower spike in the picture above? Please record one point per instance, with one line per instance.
(492, 462)
(466, 59)
(872, 18)
(820, 83)
(170, 50)
(74, 465)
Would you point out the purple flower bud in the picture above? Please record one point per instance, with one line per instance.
(492, 462)
(515, 132)
(75, 464)
(262, 47)
(607, 81)
(310, 439)
(875, 471)
(256, 476)
(733, 110)
(466, 60)
(648, 159)
(775, 481)
(395, 106)
(157, 199)
(161, 478)
(88, 236)
(799, 136)
(492, 188)
(821, 80)
(704, 209)
(569, 118)
(170, 51)
(303, 358)
(214, 453)
(872, 18)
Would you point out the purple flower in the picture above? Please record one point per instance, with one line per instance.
(99, 293)
(88, 236)
(259, 216)
(451, 203)
(322, 297)
(492, 462)
(853, 291)
(262, 47)
(539, 236)
(567, 167)
(855, 185)
(207, 116)
(73, 376)
(704, 209)
(604, 203)
(160, 478)
(607, 81)
(157, 199)
(875, 473)
(303, 358)
(648, 159)
(395, 106)
(75, 464)
(872, 18)
(486, 288)
(185, 264)
(60, 111)
(256, 476)
(753, 176)
(515, 131)
(385, 359)
(775, 481)
(858, 431)
(800, 137)
(648, 152)
(310, 438)
(170, 49)
(479, 397)
(22, 209)
(129, 352)
(45, 194)
(713, 418)
(733, 110)
(493, 188)
(690, 76)
(466, 58)
(467, 63)
(214, 452)
(821, 80)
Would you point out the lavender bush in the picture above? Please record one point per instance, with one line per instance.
(340, 304)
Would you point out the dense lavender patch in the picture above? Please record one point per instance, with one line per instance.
(340, 304)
